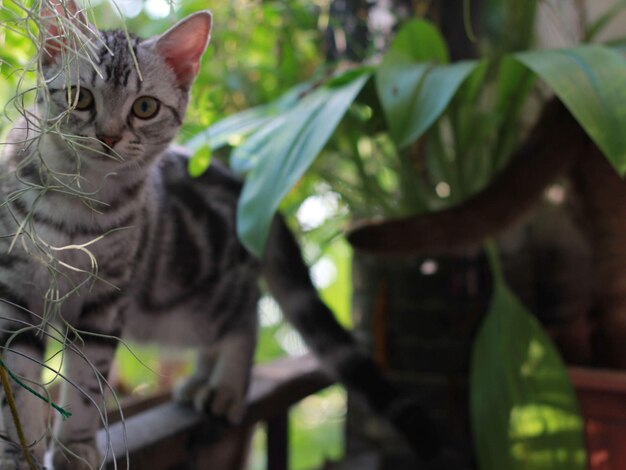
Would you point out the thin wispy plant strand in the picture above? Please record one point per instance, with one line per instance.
(24, 20)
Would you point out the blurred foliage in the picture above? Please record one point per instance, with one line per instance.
(319, 423)
(442, 131)
(272, 52)
(536, 423)
(257, 50)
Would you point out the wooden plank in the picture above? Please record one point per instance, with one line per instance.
(601, 380)
(132, 406)
(181, 432)
(363, 461)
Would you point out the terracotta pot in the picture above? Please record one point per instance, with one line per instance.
(418, 317)
(602, 396)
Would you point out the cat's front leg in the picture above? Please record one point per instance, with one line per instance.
(220, 382)
(22, 355)
(88, 365)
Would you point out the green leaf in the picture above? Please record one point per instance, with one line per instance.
(421, 41)
(618, 45)
(524, 411)
(513, 85)
(603, 21)
(474, 83)
(199, 161)
(348, 76)
(233, 129)
(414, 95)
(407, 80)
(285, 149)
(591, 82)
(244, 158)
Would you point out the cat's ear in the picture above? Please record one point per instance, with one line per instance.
(62, 22)
(183, 44)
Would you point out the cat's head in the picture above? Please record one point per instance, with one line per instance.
(120, 99)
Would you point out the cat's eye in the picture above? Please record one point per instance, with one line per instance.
(146, 107)
(83, 101)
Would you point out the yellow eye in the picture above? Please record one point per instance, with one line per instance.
(146, 107)
(83, 101)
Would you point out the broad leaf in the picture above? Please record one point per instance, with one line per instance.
(414, 84)
(421, 41)
(524, 411)
(414, 95)
(244, 158)
(199, 161)
(591, 82)
(233, 129)
(514, 82)
(284, 151)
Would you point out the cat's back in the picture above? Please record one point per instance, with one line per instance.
(191, 260)
(209, 200)
(217, 181)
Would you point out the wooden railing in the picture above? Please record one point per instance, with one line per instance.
(166, 436)
(160, 435)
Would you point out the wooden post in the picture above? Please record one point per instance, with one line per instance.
(278, 442)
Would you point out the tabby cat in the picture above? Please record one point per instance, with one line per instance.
(100, 181)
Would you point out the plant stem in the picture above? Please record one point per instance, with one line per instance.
(371, 190)
(64, 413)
(412, 200)
(16, 418)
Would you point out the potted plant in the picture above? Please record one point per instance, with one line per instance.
(432, 151)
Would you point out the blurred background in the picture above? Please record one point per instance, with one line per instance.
(259, 51)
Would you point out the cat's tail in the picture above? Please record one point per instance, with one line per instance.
(289, 282)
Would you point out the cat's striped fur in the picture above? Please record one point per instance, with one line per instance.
(170, 267)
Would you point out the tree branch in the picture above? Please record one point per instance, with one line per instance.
(553, 145)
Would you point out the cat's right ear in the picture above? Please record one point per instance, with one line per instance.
(62, 21)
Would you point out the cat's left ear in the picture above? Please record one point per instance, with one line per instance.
(183, 44)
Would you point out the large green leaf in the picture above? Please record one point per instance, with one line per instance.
(233, 129)
(415, 94)
(524, 411)
(244, 158)
(414, 84)
(421, 41)
(286, 151)
(199, 161)
(591, 82)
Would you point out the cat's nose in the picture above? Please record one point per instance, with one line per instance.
(109, 140)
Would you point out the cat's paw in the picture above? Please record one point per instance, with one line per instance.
(10, 460)
(220, 400)
(223, 399)
(185, 390)
(14, 463)
(77, 456)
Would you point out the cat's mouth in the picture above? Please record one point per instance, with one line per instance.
(95, 149)
(102, 153)
(109, 153)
